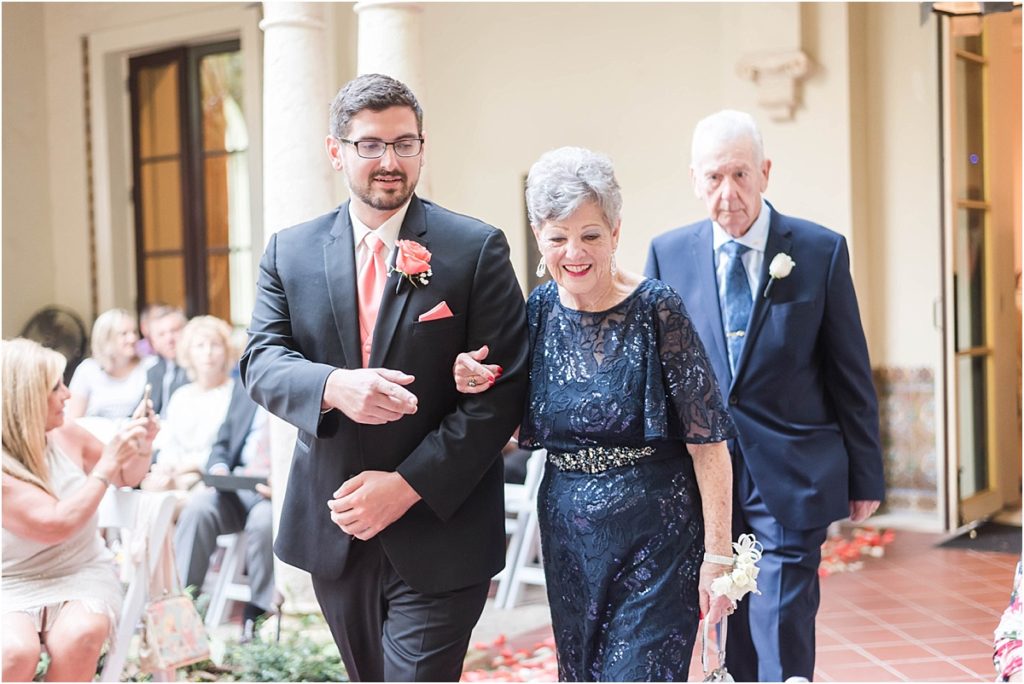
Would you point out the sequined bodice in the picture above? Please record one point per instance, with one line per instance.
(628, 376)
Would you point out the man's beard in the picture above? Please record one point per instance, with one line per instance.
(385, 201)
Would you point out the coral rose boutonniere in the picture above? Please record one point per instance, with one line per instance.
(412, 263)
(781, 266)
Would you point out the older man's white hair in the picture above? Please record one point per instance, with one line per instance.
(726, 126)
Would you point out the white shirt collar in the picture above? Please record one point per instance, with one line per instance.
(756, 238)
(387, 231)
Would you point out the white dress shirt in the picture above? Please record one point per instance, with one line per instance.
(387, 232)
(756, 239)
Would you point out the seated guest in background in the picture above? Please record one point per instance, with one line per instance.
(165, 375)
(242, 448)
(110, 383)
(60, 586)
(195, 412)
(143, 347)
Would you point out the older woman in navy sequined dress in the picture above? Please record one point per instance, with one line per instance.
(638, 481)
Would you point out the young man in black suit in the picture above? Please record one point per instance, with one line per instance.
(394, 500)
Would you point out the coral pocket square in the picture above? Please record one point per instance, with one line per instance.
(438, 312)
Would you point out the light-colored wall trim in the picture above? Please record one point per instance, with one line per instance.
(109, 50)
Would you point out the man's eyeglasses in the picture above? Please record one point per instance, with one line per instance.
(375, 149)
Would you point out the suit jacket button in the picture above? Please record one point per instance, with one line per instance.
(733, 400)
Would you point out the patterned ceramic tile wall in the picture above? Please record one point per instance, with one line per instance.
(906, 398)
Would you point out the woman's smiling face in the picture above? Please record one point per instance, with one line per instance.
(578, 250)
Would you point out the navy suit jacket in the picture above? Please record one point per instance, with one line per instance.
(803, 399)
(234, 430)
(155, 377)
(305, 324)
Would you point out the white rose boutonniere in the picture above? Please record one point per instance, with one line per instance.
(782, 265)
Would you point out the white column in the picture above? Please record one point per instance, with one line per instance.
(390, 44)
(296, 187)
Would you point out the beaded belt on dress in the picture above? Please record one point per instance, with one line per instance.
(599, 459)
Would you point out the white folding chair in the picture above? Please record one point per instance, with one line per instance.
(520, 510)
(136, 517)
(230, 583)
(528, 565)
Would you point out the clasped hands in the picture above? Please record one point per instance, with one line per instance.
(369, 502)
(366, 504)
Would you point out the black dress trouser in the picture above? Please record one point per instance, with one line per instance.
(386, 631)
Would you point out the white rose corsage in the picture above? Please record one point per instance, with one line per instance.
(781, 266)
(742, 579)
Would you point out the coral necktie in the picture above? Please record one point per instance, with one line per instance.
(372, 274)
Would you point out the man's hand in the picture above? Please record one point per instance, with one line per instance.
(369, 502)
(371, 396)
(862, 510)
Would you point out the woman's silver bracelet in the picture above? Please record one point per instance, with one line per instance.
(101, 478)
(718, 560)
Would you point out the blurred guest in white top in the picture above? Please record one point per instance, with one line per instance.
(195, 412)
(110, 383)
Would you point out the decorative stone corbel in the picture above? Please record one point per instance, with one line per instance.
(777, 75)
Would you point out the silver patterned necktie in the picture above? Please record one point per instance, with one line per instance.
(737, 302)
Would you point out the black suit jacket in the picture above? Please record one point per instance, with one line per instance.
(234, 430)
(155, 377)
(305, 325)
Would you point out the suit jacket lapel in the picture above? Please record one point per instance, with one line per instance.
(702, 256)
(392, 304)
(340, 266)
(779, 240)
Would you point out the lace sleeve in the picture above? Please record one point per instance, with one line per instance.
(690, 383)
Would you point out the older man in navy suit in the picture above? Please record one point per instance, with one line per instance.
(773, 301)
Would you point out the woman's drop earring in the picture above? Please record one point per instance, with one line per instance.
(541, 268)
(615, 268)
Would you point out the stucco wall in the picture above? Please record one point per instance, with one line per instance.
(505, 82)
(904, 193)
(28, 241)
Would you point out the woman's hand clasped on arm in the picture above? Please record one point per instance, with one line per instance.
(472, 376)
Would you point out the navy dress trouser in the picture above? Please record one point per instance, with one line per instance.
(771, 635)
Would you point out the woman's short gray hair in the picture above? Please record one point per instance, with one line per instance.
(563, 179)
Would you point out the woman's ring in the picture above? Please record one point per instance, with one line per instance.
(471, 382)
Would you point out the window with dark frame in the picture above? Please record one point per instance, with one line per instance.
(193, 230)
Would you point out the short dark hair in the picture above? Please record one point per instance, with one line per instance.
(375, 92)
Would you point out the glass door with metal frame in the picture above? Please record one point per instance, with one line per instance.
(978, 275)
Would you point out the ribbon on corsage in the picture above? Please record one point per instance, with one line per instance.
(742, 579)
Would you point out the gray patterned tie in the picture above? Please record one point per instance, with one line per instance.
(737, 302)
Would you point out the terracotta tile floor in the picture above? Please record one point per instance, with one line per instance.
(921, 613)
